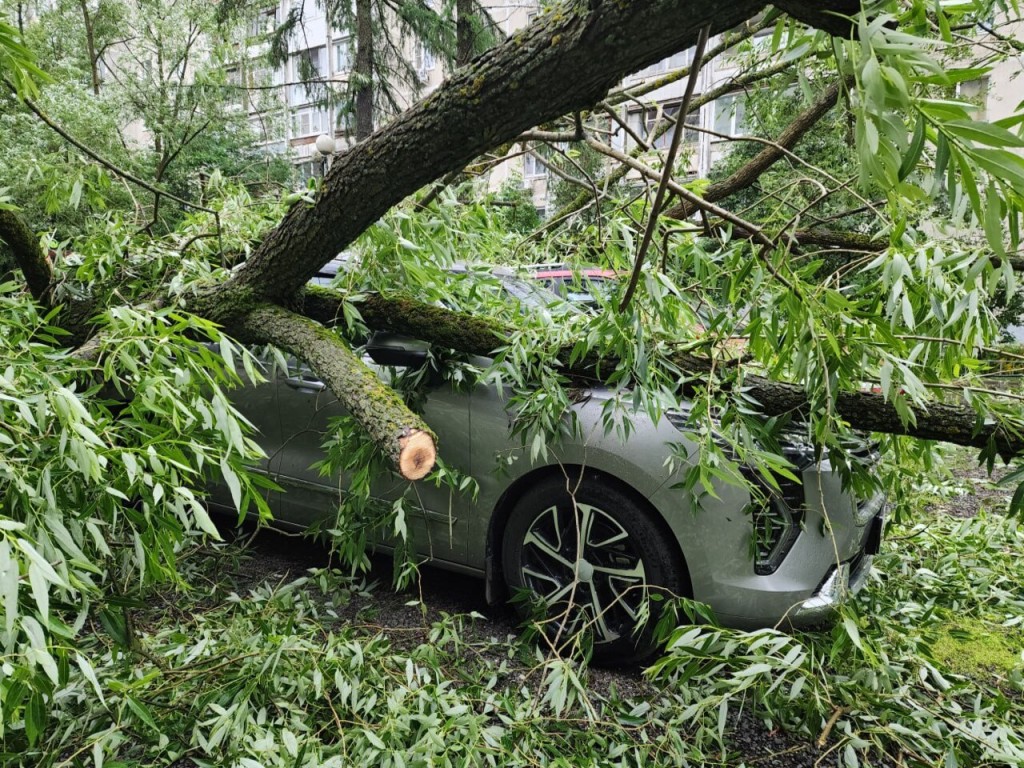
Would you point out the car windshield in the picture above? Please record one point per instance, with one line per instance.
(532, 294)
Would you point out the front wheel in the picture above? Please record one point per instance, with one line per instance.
(592, 554)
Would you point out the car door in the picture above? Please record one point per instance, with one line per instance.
(436, 517)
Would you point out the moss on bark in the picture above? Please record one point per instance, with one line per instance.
(378, 408)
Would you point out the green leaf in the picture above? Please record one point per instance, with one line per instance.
(40, 591)
(1002, 165)
(112, 620)
(201, 515)
(9, 582)
(913, 154)
(853, 632)
(142, 711)
(40, 562)
(983, 133)
(35, 717)
(290, 742)
(231, 478)
(993, 220)
(1017, 502)
(90, 674)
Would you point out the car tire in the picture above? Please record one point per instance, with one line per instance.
(604, 593)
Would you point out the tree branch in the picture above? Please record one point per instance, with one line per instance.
(831, 17)
(628, 93)
(28, 255)
(730, 86)
(405, 439)
(38, 112)
(749, 173)
(666, 173)
(868, 411)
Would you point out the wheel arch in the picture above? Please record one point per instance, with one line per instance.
(494, 580)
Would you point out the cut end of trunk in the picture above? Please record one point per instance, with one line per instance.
(416, 454)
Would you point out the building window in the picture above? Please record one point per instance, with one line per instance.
(310, 122)
(976, 92)
(423, 60)
(342, 55)
(233, 83)
(672, 63)
(263, 23)
(646, 122)
(307, 65)
(730, 115)
(308, 170)
(533, 166)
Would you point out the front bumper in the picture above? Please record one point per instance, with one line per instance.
(846, 578)
(808, 589)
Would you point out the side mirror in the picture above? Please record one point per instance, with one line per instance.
(393, 349)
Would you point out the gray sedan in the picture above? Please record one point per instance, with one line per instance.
(592, 530)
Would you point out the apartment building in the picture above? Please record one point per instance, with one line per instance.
(301, 99)
(1001, 91)
(288, 116)
(315, 46)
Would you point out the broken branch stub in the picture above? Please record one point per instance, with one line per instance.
(402, 436)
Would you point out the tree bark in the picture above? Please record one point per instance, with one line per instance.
(832, 17)
(364, 69)
(90, 47)
(28, 255)
(465, 32)
(405, 439)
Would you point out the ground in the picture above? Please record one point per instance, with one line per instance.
(493, 633)
(267, 646)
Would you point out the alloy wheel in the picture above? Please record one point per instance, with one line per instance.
(587, 569)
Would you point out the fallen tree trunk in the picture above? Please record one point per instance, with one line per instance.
(868, 411)
(564, 62)
(405, 439)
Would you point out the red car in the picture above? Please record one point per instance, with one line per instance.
(579, 286)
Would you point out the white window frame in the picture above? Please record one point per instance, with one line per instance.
(644, 121)
(300, 94)
(735, 103)
(343, 45)
(317, 121)
(534, 166)
(424, 60)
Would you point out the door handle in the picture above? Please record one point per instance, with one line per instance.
(306, 386)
